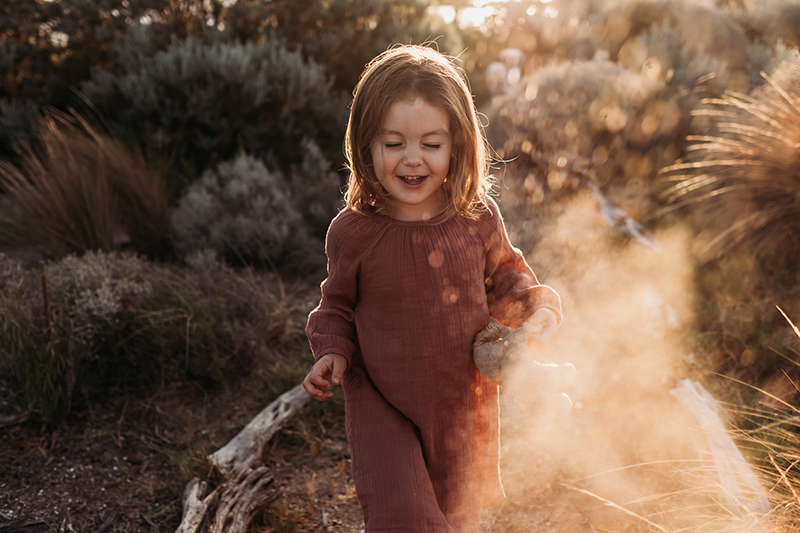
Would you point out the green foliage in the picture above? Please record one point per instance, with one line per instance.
(316, 189)
(242, 210)
(81, 190)
(341, 35)
(58, 348)
(202, 103)
(48, 48)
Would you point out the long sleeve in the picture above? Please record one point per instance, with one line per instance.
(331, 325)
(512, 290)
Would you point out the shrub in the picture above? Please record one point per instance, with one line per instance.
(201, 103)
(55, 326)
(316, 189)
(242, 210)
(738, 186)
(119, 324)
(47, 48)
(82, 190)
(589, 122)
(701, 31)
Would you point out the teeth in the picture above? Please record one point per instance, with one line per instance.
(412, 179)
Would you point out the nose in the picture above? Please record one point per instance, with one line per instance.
(413, 156)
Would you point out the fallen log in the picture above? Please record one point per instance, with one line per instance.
(248, 486)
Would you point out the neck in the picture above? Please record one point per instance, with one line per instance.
(416, 213)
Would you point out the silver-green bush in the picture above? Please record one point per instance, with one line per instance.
(240, 209)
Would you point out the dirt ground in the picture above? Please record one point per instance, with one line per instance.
(617, 459)
(124, 469)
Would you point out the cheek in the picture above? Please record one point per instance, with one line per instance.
(379, 160)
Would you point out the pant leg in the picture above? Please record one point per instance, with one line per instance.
(389, 470)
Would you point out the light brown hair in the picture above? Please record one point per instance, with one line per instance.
(403, 73)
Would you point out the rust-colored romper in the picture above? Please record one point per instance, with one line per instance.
(402, 303)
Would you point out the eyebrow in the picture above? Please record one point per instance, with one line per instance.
(439, 131)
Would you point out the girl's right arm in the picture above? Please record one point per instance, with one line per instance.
(331, 326)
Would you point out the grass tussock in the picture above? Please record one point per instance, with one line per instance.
(743, 178)
(79, 190)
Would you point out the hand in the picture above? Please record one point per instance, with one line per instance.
(543, 325)
(327, 371)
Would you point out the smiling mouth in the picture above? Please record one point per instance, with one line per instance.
(413, 180)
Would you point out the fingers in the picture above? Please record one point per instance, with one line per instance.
(339, 366)
(314, 387)
(543, 326)
(328, 370)
(545, 317)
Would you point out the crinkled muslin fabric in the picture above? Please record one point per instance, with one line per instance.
(402, 303)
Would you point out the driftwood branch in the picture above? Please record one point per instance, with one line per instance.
(248, 486)
(260, 429)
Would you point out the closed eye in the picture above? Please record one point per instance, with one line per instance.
(392, 145)
(433, 146)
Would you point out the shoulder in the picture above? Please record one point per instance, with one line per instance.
(489, 219)
(349, 222)
(349, 231)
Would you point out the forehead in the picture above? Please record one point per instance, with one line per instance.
(415, 114)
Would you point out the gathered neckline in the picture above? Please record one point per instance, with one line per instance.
(434, 220)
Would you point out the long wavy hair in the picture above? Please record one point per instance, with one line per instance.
(405, 73)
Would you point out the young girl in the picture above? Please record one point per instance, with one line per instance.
(418, 262)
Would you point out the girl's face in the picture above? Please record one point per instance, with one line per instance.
(411, 155)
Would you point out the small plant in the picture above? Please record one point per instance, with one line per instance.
(54, 325)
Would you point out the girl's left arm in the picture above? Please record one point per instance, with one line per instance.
(513, 292)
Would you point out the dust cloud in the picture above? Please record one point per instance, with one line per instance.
(628, 441)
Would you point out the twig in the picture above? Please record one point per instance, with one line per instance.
(783, 478)
(119, 424)
(797, 331)
(108, 521)
(24, 526)
(153, 526)
(617, 506)
(46, 297)
(10, 420)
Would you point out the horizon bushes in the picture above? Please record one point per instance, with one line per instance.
(200, 103)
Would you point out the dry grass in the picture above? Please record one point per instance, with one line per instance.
(768, 433)
(743, 177)
(79, 189)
